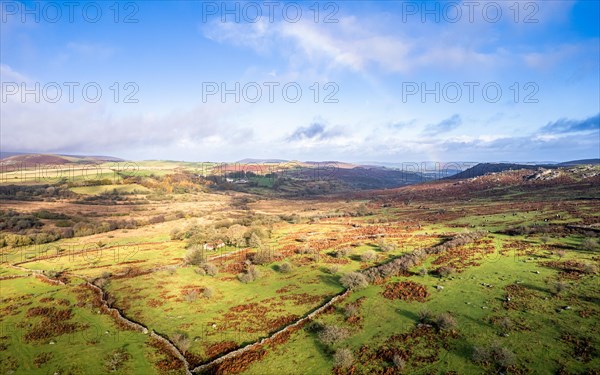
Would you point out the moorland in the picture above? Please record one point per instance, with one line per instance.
(165, 267)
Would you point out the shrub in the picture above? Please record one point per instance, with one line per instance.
(101, 282)
(445, 321)
(399, 362)
(351, 310)
(495, 354)
(480, 354)
(343, 252)
(590, 269)
(333, 269)
(176, 234)
(262, 257)
(285, 268)
(210, 269)
(368, 256)
(207, 293)
(560, 253)
(332, 334)
(503, 357)
(505, 324)
(200, 271)
(354, 280)
(560, 287)
(245, 278)
(115, 361)
(343, 358)
(423, 272)
(194, 257)
(191, 295)
(445, 271)
(254, 240)
(425, 316)
(250, 275)
(386, 246)
(182, 341)
(590, 244)
(255, 272)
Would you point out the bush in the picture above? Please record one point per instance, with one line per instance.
(176, 234)
(254, 240)
(262, 257)
(343, 358)
(194, 257)
(560, 253)
(505, 324)
(332, 334)
(115, 361)
(354, 281)
(445, 321)
(445, 271)
(182, 341)
(423, 272)
(245, 278)
(591, 269)
(590, 244)
(207, 293)
(343, 252)
(200, 271)
(495, 354)
(368, 256)
(351, 310)
(191, 295)
(210, 269)
(285, 268)
(425, 316)
(250, 275)
(560, 287)
(399, 362)
(386, 246)
(333, 269)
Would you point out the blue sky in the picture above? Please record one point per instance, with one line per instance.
(370, 63)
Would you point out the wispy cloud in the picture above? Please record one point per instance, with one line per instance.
(314, 131)
(564, 125)
(443, 126)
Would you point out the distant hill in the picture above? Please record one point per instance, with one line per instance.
(579, 162)
(54, 159)
(260, 161)
(484, 168)
(6, 154)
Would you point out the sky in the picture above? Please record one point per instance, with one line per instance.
(389, 81)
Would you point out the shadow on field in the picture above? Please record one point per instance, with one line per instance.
(332, 280)
(408, 314)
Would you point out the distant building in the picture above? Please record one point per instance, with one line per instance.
(213, 245)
